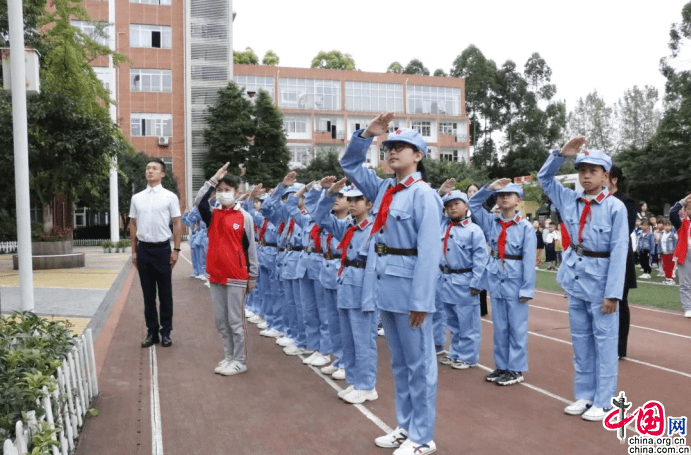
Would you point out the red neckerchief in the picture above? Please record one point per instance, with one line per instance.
(501, 241)
(262, 231)
(587, 213)
(291, 226)
(565, 237)
(315, 234)
(281, 227)
(329, 237)
(380, 221)
(452, 223)
(343, 246)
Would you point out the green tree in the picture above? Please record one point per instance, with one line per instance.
(395, 67)
(638, 116)
(270, 58)
(324, 164)
(594, 119)
(267, 159)
(415, 66)
(438, 171)
(440, 73)
(230, 123)
(33, 10)
(246, 57)
(539, 74)
(334, 60)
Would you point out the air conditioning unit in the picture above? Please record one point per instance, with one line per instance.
(163, 141)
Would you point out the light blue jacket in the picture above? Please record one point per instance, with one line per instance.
(515, 278)
(589, 278)
(402, 283)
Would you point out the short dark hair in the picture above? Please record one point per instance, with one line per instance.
(159, 161)
(230, 180)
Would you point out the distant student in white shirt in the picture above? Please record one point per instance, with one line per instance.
(151, 212)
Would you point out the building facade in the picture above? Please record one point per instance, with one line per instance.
(322, 108)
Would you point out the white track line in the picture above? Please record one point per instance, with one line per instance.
(156, 433)
(631, 305)
(681, 373)
(664, 332)
(367, 413)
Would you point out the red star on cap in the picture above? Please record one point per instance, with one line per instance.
(585, 152)
(398, 131)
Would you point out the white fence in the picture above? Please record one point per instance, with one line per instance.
(66, 407)
(11, 247)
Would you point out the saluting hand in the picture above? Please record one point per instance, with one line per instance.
(499, 184)
(290, 178)
(378, 125)
(338, 186)
(327, 181)
(447, 186)
(221, 172)
(573, 146)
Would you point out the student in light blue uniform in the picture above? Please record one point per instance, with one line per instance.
(358, 321)
(510, 275)
(463, 263)
(592, 273)
(198, 242)
(403, 268)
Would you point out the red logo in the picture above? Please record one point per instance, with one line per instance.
(586, 153)
(398, 131)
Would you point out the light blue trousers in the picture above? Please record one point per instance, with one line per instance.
(414, 367)
(510, 318)
(439, 322)
(334, 324)
(595, 337)
(314, 314)
(466, 330)
(359, 335)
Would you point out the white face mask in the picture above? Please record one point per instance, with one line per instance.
(226, 198)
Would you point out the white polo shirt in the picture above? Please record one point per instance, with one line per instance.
(153, 209)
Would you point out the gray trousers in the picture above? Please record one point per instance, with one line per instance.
(684, 272)
(228, 304)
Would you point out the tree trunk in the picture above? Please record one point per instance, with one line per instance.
(47, 217)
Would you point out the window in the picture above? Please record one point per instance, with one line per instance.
(103, 74)
(424, 128)
(448, 128)
(144, 80)
(448, 155)
(151, 125)
(295, 124)
(374, 97)
(152, 2)
(169, 163)
(97, 31)
(156, 36)
(423, 99)
(256, 83)
(300, 154)
(310, 94)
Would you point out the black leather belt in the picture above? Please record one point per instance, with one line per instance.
(381, 249)
(515, 257)
(154, 244)
(311, 249)
(269, 244)
(446, 269)
(581, 251)
(354, 263)
(329, 256)
(294, 248)
(280, 250)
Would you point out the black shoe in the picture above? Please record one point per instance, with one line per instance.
(166, 341)
(510, 378)
(496, 374)
(150, 340)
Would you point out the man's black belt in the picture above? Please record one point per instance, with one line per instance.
(381, 249)
(354, 263)
(153, 244)
(581, 251)
(294, 248)
(515, 257)
(329, 256)
(311, 249)
(446, 269)
(269, 244)
(280, 250)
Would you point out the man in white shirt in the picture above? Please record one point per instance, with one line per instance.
(151, 212)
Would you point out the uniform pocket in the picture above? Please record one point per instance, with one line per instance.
(396, 270)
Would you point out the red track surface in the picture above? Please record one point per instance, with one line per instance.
(280, 406)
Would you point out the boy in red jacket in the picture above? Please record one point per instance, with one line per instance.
(231, 266)
(681, 252)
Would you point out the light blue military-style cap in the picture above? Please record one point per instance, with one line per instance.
(597, 157)
(352, 191)
(453, 195)
(409, 136)
(512, 188)
(293, 188)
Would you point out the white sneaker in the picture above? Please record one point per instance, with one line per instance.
(359, 396)
(578, 407)
(687, 314)
(248, 313)
(392, 440)
(446, 360)
(442, 352)
(329, 369)
(285, 341)
(412, 448)
(221, 365)
(644, 276)
(321, 360)
(345, 391)
(293, 350)
(207, 284)
(256, 319)
(233, 368)
(271, 333)
(461, 365)
(201, 277)
(308, 360)
(595, 414)
(380, 332)
(262, 325)
(339, 374)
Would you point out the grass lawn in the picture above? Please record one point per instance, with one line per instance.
(647, 293)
